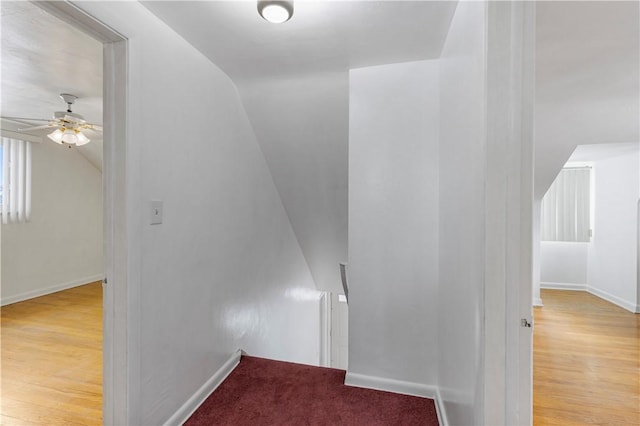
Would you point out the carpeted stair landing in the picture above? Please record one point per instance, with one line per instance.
(265, 392)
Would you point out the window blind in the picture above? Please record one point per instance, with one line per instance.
(566, 207)
(16, 180)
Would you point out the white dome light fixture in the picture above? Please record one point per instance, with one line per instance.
(276, 11)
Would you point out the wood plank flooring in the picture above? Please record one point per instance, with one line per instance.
(51, 359)
(586, 361)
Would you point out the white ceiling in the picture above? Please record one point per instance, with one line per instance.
(321, 36)
(595, 152)
(43, 57)
(587, 80)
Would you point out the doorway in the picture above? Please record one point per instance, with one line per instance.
(52, 220)
(586, 340)
(114, 288)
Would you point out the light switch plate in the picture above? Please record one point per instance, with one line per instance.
(156, 212)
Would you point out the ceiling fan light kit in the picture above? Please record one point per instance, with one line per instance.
(69, 136)
(275, 11)
(56, 136)
(68, 125)
(70, 132)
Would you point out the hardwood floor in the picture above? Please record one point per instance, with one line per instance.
(586, 361)
(52, 359)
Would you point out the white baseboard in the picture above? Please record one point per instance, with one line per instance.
(48, 290)
(192, 404)
(537, 301)
(399, 386)
(442, 413)
(390, 385)
(629, 306)
(563, 286)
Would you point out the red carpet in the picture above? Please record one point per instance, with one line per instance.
(265, 392)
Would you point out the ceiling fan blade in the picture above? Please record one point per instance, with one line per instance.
(76, 118)
(44, 126)
(23, 119)
(90, 126)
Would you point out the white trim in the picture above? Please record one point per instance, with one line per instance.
(505, 348)
(325, 330)
(537, 301)
(629, 306)
(79, 19)
(440, 410)
(638, 260)
(390, 385)
(120, 378)
(625, 304)
(564, 286)
(48, 290)
(192, 404)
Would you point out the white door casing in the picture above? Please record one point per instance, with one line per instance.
(509, 213)
(115, 287)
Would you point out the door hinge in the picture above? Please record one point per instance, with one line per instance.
(525, 323)
(104, 281)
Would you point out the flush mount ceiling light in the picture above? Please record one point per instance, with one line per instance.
(68, 125)
(275, 11)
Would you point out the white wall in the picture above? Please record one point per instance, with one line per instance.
(301, 123)
(613, 251)
(461, 205)
(224, 271)
(61, 246)
(563, 264)
(393, 221)
(606, 266)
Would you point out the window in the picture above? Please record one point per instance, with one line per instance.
(566, 207)
(16, 180)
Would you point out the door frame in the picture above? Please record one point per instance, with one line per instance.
(509, 204)
(116, 339)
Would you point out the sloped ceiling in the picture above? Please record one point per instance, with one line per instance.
(587, 80)
(293, 79)
(322, 36)
(43, 57)
(596, 152)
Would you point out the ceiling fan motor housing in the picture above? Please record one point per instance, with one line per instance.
(70, 117)
(68, 98)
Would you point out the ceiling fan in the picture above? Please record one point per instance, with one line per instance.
(68, 125)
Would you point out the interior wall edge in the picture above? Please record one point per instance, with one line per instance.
(441, 409)
(625, 304)
(618, 301)
(391, 385)
(192, 403)
(401, 387)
